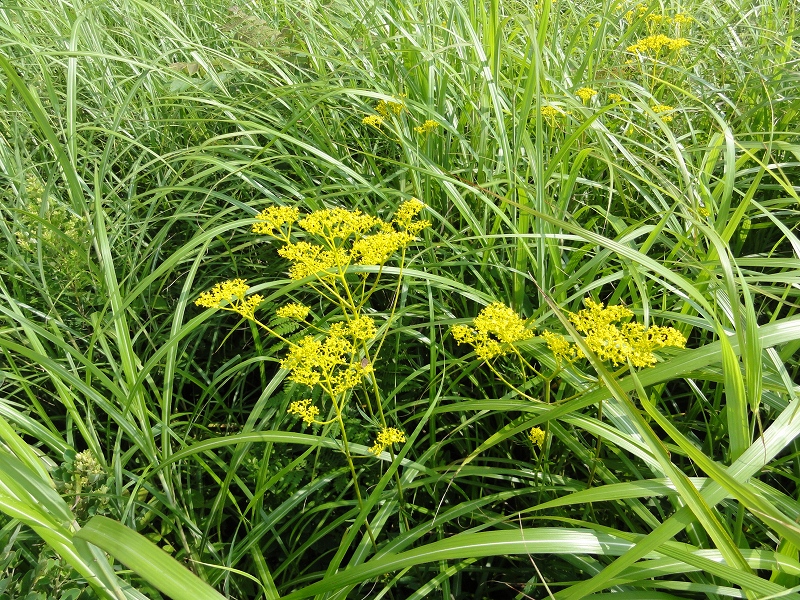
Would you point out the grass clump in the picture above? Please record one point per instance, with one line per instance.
(510, 284)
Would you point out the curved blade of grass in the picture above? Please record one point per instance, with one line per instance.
(146, 559)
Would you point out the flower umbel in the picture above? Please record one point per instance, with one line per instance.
(536, 436)
(494, 331)
(426, 127)
(230, 295)
(294, 310)
(274, 218)
(653, 44)
(387, 437)
(616, 343)
(304, 410)
(373, 120)
(586, 94)
(663, 108)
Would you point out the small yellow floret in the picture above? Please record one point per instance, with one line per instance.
(536, 436)
(295, 310)
(387, 437)
(304, 410)
(615, 97)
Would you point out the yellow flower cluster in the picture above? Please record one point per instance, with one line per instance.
(304, 410)
(373, 120)
(426, 127)
(294, 310)
(493, 331)
(329, 362)
(387, 437)
(335, 228)
(662, 108)
(615, 97)
(311, 259)
(338, 223)
(273, 219)
(618, 344)
(653, 44)
(641, 9)
(536, 436)
(586, 93)
(387, 108)
(230, 295)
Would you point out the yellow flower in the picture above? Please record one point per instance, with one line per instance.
(275, 217)
(311, 259)
(294, 310)
(586, 93)
(615, 97)
(561, 348)
(682, 19)
(494, 331)
(387, 437)
(338, 223)
(373, 120)
(662, 108)
(426, 127)
(387, 108)
(229, 295)
(226, 291)
(377, 248)
(630, 341)
(536, 436)
(304, 410)
(329, 362)
(655, 43)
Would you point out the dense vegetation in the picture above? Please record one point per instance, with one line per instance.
(597, 178)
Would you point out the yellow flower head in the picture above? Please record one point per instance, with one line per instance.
(373, 120)
(226, 291)
(294, 310)
(338, 223)
(586, 94)
(536, 436)
(426, 127)
(653, 44)
(311, 259)
(391, 107)
(561, 348)
(332, 362)
(387, 437)
(304, 410)
(662, 108)
(629, 341)
(274, 218)
(615, 97)
(493, 331)
(230, 295)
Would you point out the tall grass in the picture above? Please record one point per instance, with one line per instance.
(138, 140)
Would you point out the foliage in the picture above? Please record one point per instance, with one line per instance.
(512, 412)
